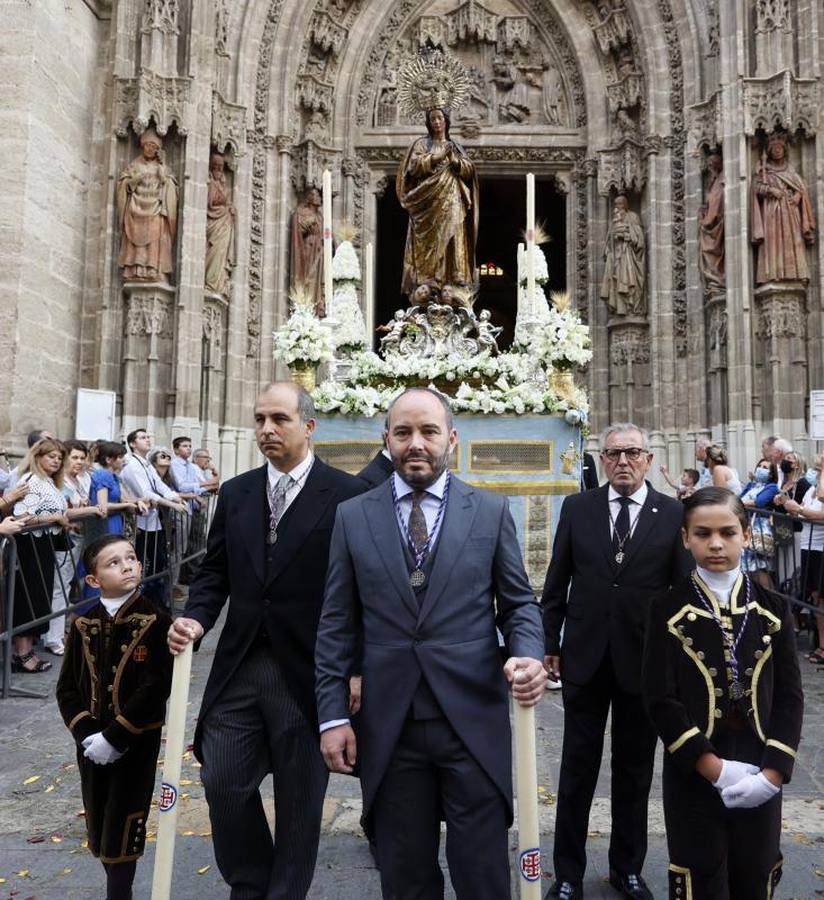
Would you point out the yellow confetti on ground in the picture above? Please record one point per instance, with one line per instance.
(188, 833)
(67, 871)
(187, 755)
(32, 779)
(23, 873)
(184, 796)
(56, 839)
(49, 789)
(186, 781)
(205, 834)
(203, 870)
(85, 845)
(2, 880)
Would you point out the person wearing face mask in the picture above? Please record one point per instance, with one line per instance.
(811, 513)
(759, 494)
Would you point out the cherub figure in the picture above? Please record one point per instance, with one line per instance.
(487, 332)
(421, 296)
(394, 331)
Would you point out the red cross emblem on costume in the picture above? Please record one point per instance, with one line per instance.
(530, 864)
(168, 797)
(141, 652)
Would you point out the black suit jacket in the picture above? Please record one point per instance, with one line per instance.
(589, 473)
(377, 471)
(603, 606)
(288, 601)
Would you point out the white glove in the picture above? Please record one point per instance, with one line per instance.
(749, 792)
(732, 772)
(99, 750)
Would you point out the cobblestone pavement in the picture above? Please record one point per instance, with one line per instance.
(42, 835)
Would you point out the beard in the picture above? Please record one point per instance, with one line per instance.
(421, 480)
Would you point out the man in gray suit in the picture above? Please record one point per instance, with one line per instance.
(421, 570)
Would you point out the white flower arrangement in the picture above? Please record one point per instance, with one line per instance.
(345, 264)
(302, 341)
(519, 381)
(541, 265)
(348, 330)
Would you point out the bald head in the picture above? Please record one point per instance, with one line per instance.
(420, 436)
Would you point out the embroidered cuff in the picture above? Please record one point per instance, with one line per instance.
(779, 756)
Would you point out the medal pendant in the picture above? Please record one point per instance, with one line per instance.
(272, 538)
(619, 557)
(417, 578)
(736, 690)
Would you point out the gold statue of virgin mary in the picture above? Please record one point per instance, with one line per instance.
(436, 182)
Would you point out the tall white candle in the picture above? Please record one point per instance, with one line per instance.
(327, 238)
(368, 290)
(530, 243)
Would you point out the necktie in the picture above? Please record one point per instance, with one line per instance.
(277, 501)
(621, 528)
(417, 522)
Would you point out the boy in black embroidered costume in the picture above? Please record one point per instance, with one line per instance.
(112, 691)
(723, 689)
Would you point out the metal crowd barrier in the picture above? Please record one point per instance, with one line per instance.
(785, 548)
(169, 557)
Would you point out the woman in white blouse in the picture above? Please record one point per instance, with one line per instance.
(39, 547)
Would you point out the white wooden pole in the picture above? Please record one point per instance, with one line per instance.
(526, 786)
(327, 238)
(170, 787)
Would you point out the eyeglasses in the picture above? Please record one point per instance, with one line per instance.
(633, 454)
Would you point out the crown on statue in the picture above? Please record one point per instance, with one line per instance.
(433, 80)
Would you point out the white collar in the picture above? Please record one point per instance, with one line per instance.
(720, 583)
(387, 454)
(298, 472)
(402, 489)
(639, 497)
(113, 604)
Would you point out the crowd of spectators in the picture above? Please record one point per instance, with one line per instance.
(785, 498)
(64, 494)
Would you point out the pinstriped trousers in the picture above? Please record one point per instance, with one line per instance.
(254, 728)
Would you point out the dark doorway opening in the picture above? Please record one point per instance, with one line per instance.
(503, 217)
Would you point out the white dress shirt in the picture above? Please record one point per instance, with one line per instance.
(113, 604)
(638, 499)
(299, 475)
(142, 480)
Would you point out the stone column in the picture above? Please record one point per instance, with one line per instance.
(734, 66)
(147, 355)
(629, 369)
(779, 332)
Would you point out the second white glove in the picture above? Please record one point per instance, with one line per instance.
(99, 750)
(732, 771)
(749, 792)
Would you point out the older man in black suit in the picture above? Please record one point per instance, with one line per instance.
(268, 550)
(615, 547)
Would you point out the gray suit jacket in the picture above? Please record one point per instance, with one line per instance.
(477, 581)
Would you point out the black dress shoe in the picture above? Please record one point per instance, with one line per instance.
(632, 886)
(566, 890)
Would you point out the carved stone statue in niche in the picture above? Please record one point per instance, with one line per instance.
(220, 228)
(306, 273)
(513, 94)
(625, 262)
(147, 214)
(554, 97)
(711, 228)
(438, 187)
(782, 216)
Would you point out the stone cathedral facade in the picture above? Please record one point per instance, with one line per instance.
(678, 106)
